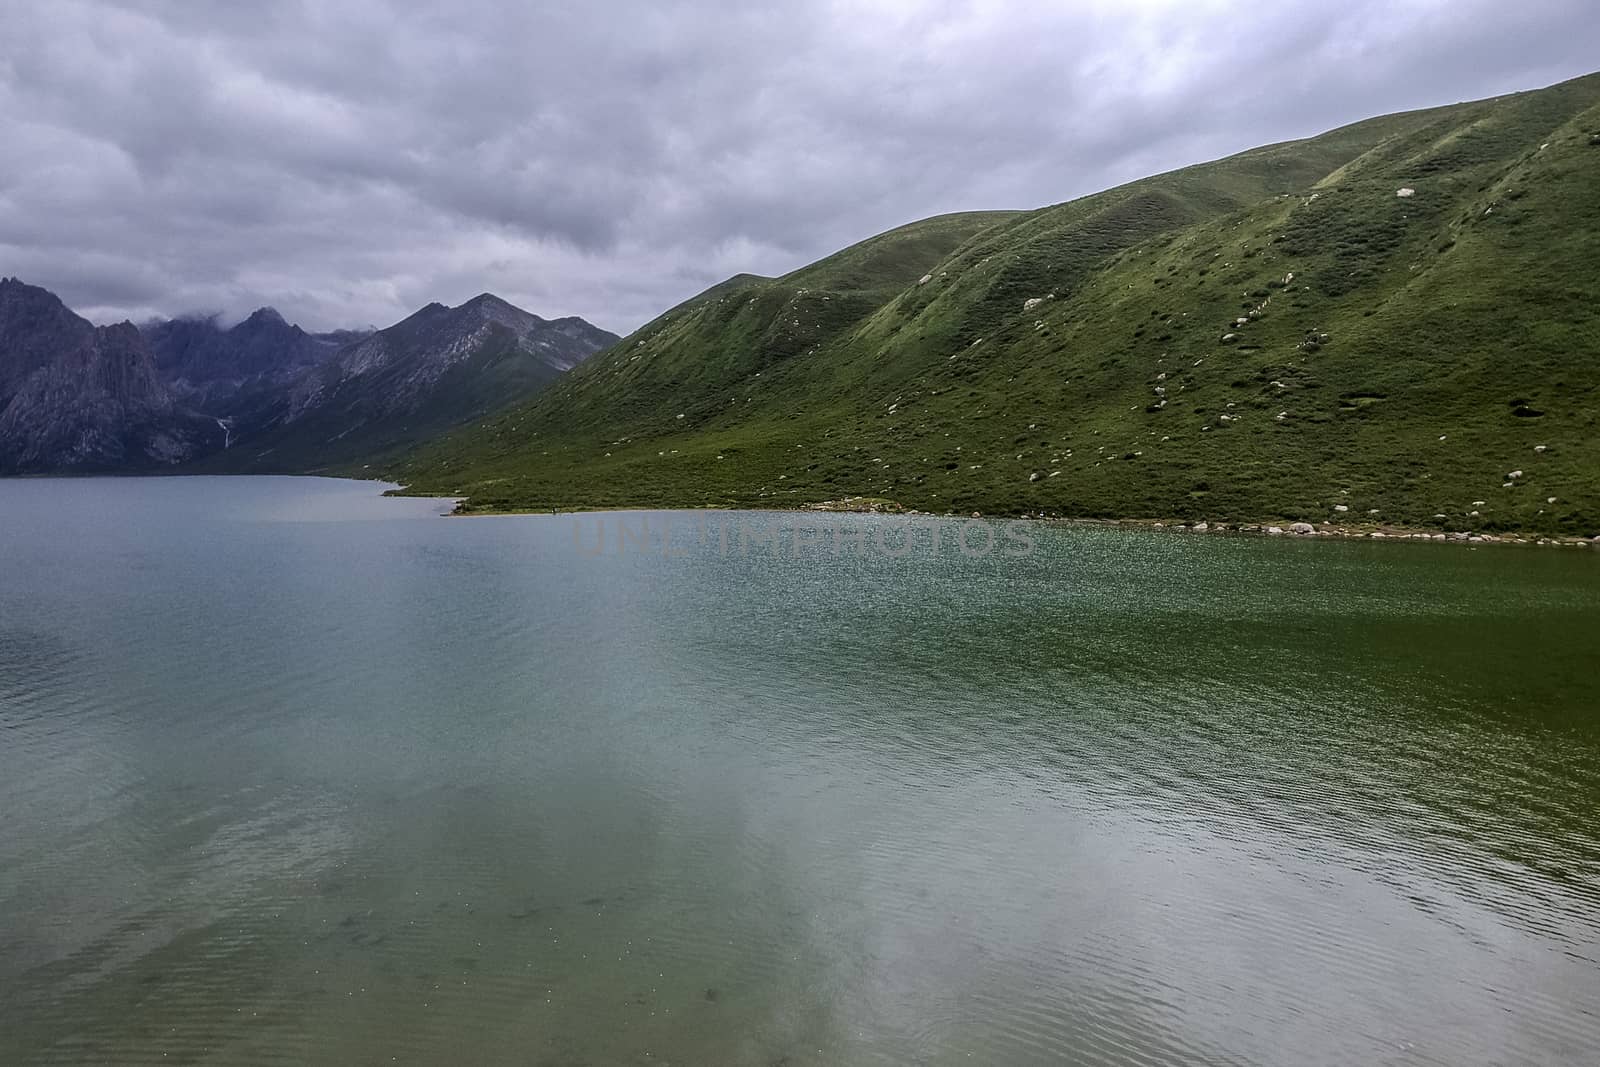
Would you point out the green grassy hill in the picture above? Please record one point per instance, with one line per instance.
(1284, 334)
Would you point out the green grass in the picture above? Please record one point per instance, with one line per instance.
(1422, 350)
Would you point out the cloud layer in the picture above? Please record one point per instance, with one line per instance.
(350, 160)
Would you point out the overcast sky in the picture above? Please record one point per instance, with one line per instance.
(348, 161)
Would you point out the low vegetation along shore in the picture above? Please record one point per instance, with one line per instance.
(1281, 528)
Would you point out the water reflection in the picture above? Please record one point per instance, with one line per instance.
(335, 791)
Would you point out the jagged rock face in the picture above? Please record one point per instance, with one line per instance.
(412, 357)
(216, 370)
(36, 330)
(76, 397)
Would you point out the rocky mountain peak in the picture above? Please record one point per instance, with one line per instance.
(492, 308)
(74, 396)
(16, 291)
(78, 397)
(265, 316)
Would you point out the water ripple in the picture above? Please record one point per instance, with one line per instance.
(440, 791)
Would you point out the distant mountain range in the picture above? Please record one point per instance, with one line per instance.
(439, 368)
(79, 397)
(210, 367)
(1396, 322)
(261, 395)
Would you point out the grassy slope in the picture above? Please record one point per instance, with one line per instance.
(1468, 312)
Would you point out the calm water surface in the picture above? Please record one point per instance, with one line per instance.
(290, 773)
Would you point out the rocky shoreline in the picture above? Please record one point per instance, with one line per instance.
(1382, 533)
(883, 506)
(875, 505)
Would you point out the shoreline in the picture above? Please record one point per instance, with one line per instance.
(1302, 531)
(1294, 530)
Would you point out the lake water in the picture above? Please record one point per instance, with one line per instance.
(292, 773)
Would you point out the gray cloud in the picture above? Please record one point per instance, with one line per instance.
(350, 160)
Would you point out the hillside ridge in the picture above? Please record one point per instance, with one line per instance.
(1395, 321)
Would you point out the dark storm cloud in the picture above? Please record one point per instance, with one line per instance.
(348, 161)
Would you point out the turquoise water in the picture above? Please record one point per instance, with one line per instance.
(292, 773)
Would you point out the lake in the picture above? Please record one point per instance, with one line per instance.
(294, 773)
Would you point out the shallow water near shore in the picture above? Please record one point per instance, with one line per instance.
(294, 773)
